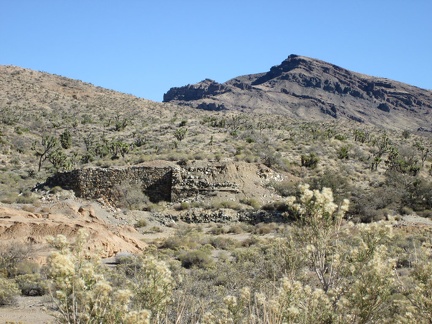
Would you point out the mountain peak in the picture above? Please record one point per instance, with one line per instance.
(312, 89)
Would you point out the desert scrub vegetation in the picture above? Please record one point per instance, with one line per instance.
(105, 128)
(314, 260)
(320, 268)
(81, 291)
(316, 267)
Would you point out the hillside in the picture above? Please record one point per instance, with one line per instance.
(314, 90)
(203, 199)
(89, 126)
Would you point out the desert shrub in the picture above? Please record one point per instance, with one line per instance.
(264, 228)
(31, 284)
(184, 205)
(180, 133)
(343, 153)
(340, 137)
(12, 255)
(195, 258)
(131, 196)
(26, 198)
(222, 243)
(239, 228)
(140, 223)
(177, 243)
(150, 281)
(27, 267)
(80, 289)
(250, 241)
(309, 161)
(365, 258)
(350, 279)
(29, 208)
(425, 213)
(218, 229)
(418, 306)
(155, 229)
(284, 188)
(418, 194)
(226, 204)
(338, 183)
(66, 139)
(9, 291)
(255, 204)
(279, 206)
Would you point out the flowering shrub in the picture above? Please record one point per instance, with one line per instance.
(321, 269)
(342, 273)
(150, 281)
(81, 291)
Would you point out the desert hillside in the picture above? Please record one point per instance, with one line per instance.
(307, 181)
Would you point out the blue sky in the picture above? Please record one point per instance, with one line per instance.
(145, 47)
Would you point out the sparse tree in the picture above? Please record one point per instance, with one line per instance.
(180, 133)
(49, 145)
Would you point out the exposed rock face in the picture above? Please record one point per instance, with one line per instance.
(314, 90)
(203, 89)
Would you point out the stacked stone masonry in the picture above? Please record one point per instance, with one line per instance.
(170, 183)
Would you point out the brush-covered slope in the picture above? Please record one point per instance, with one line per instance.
(311, 89)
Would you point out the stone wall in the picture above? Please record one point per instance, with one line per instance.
(165, 182)
(94, 183)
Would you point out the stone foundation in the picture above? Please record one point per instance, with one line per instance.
(163, 182)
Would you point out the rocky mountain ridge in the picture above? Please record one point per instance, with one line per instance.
(311, 89)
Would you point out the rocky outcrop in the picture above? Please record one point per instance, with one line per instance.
(313, 89)
(203, 89)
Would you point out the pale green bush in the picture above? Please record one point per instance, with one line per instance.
(151, 283)
(81, 291)
(8, 291)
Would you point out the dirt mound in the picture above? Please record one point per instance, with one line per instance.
(18, 225)
(231, 181)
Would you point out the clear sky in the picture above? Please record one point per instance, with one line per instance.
(146, 47)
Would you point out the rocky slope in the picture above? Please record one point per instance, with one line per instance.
(311, 89)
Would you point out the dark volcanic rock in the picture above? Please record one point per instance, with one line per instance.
(311, 89)
(197, 91)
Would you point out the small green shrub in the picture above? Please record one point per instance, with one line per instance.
(66, 139)
(343, 153)
(184, 205)
(309, 161)
(31, 284)
(236, 229)
(140, 223)
(284, 188)
(195, 258)
(263, 228)
(251, 202)
(340, 137)
(217, 230)
(222, 243)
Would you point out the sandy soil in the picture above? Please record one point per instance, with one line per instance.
(28, 310)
